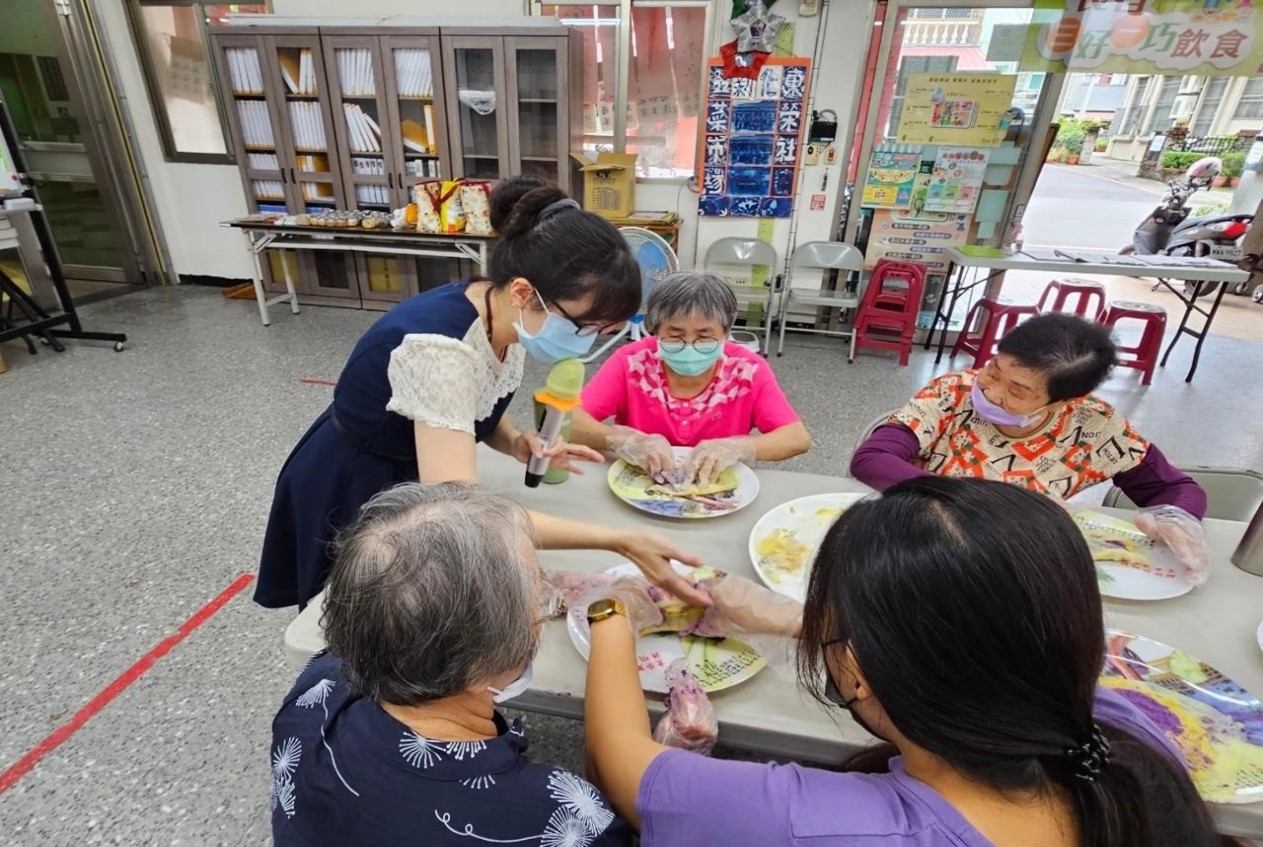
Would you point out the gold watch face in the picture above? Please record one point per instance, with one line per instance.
(599, 610)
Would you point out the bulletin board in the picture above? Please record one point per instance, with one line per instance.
(752, 139)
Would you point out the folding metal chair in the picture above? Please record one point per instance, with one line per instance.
(749, 253)
(1232, 494)
(821, 256)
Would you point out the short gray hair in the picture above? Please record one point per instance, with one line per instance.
(691, 293)
(434, 589)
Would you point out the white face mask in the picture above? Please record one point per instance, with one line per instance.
(514, 688)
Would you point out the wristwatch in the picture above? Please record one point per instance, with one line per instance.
(599, 610)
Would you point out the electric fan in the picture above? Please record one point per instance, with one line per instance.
(656, 260)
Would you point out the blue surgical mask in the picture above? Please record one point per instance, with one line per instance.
(996, 415)
(689, 362)
(557, 339)
(514, 688)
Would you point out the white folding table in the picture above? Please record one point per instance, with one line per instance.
(767, 713)
(1214, 271)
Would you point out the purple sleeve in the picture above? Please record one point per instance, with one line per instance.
(1114, 708)
(1156, 482)
(687, 799)
(887, 457)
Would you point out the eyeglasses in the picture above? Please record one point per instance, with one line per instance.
(701, 345)
(831, 691)
(585, 330)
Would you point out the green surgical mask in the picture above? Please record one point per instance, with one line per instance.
(689, 362)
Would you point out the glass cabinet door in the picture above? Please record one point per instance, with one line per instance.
(476, 94)
(418, 131)
(538, 136)
(253, 111)
(360, 121)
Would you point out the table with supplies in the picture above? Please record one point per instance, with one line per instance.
(768, 713)
(986, 264)
(262, 236)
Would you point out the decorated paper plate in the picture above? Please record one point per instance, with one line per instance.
(735, 489)
(716, 664)
(784, 541)
(1216, 724)
(1129, 564)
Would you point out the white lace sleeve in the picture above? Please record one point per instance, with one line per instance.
(435, 379)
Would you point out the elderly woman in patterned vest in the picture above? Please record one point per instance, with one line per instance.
(1029, 418)
(432, 616)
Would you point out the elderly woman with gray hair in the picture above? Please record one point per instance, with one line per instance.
(689, 386)
(432, 615)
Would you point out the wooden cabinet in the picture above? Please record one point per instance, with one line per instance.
(352, 117)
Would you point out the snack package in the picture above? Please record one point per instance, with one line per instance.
(475, 197)
(451, 212)
(690, 722)
(426, 195)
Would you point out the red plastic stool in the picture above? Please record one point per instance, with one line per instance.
(1079, 294)
(1000, 318)
(887, 315)
(1144, 355)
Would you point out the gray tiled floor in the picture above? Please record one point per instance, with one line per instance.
(137, 486)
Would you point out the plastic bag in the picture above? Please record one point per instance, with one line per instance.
(1182, 534)
(475, 197)
(451, 212)
(426, 195)
(690, 722)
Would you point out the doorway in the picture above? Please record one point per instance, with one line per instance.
(80, 177)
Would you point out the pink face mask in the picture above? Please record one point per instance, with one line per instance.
(994, 414)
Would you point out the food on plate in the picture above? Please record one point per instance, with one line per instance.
(782, 554)
(678, 615)
(1114, 541)
(725, 484)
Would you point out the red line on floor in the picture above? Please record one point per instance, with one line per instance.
(312, 381)
(62, 733)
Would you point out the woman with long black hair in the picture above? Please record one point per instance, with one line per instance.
(958, 621)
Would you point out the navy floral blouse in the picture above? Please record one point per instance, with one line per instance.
(345, 772)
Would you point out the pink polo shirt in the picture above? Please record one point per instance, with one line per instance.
(743, 395)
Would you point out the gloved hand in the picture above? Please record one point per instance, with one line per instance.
(710, 458)
(1182, 534)
(690, 722)
(632, 592)
(650, 453)
(741, 606)
(572, 585)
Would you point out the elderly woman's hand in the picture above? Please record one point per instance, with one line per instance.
(562, 454)
(1182, 534)
(632, 592)
(650, 453)
(711, 458)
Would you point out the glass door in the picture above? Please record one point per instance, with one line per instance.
(306, 149)
(539, 128)
(38, 85)
(418, 137)
(947, 138)
(474, 78)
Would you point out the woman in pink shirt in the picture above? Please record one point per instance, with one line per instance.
(689, 386)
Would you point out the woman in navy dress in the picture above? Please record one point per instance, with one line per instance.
(433, 377)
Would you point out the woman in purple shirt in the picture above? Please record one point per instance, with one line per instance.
(960, 622)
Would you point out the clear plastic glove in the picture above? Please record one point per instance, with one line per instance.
(633, 592)
(1182, 534)
(690, 722)
(740, 606)
(572, 585)
(650, 453)
(711, 458)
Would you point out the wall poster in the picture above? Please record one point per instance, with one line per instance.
(956, 180)
(752, 140)
(967, 109)
(911, 237)
(892, 170)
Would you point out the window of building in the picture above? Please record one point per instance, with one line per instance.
(1160, 117)
(1250, 106)
(1131, 115)
(171, 41)
(1208, 107)
(663, 69)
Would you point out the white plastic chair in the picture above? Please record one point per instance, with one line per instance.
(821, 256)
(748, 253)
(1232, 494)
(304, 637)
